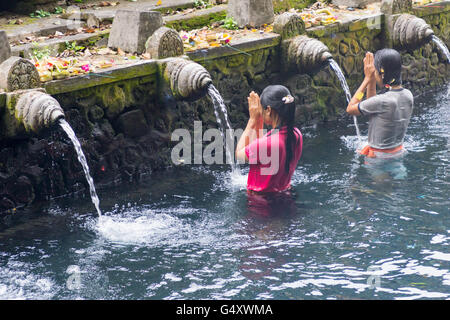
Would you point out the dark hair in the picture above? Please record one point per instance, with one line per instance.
(389, 63)
(273, 96)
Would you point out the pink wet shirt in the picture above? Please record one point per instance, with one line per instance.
(267, 158)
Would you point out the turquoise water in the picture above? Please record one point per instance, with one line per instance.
(349, 230)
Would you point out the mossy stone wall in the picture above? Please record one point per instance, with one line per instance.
(427, 67)
(124, 126)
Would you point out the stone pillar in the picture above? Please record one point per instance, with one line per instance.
(254, 13)
(164, 43)
(131, 29)
(5, 49)
(17, 73)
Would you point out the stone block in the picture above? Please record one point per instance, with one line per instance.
(5, 49)
(131, 29)
(133, 123)
(252, 13)
(17, 73)
(289, 25)
(164, 43)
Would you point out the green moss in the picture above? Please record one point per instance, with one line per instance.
(237, 60)
(285, 5)
(112, 99)
(197, 22)
(2, 100)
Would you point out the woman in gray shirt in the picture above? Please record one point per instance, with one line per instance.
(389, 113)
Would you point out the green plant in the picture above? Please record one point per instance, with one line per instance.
(38, 52)
(230, 24)
(40, 14)
(72, 46)
(199, 4)
(78, 1)
(58, 10)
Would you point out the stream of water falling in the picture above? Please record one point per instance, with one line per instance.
(225, 127)
(442, 46)
(337, 70)
(71, 134)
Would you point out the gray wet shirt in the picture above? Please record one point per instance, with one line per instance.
(389, 115)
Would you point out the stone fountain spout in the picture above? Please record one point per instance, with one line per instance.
(307, 54)
(37, 110)
(411, 32)
(188, 80)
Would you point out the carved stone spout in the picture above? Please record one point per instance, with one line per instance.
(188, 80)
(37, 110)
(411, 32)
(307, 54)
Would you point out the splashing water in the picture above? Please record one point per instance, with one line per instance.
(337, 70)
(71, 134)
(225, 126)
(441, 46)
(139, 227)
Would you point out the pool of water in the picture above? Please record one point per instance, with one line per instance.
(349, 229)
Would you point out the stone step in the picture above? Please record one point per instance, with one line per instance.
(65, 22)
(54, 44)
(202, 15)
(108, 14)
(43, 27)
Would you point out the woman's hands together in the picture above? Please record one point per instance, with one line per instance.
(369, 66)
(254, 126)
(254, 107)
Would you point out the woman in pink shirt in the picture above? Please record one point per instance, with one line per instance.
(273, 157)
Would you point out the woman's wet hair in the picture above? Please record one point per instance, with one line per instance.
(279, 98)
(389, 63)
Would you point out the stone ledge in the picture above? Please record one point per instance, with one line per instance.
(238, 47)
(114, 74)
(432, 8)
(375, 22)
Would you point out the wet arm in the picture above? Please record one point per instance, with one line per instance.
(250, 134)
(372, 88)
(368, 84)
(254, 126)
(352, 107)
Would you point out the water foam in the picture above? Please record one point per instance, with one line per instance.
(18, 281)
(238, 180)
(354, 143)
(136, 227)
